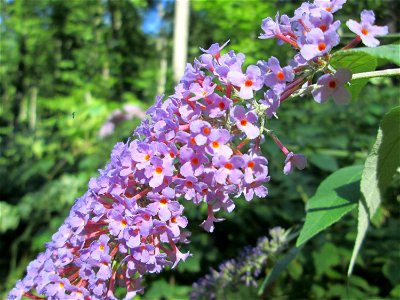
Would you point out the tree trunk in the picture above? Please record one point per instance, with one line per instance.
(181, 33)
(162, 50)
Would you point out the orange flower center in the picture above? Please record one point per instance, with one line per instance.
(146, 217)
(61, 285)
(332, 84)
(158, 170)
(123, 223)
(147, 157)
(195, 161)
(163, 201)
(321, 46)
(204, 93)
(101, 247)
(280, 75)
(243, 122)
(172, 154)
(323, 27)
(206, 130)
(173, 220)
(215, 144)
(189, 184)
(248, 83)
(193, 141)
(228, 166)
(251, 164)
(221, 105)
(364, 31)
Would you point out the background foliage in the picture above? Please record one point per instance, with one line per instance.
(65, 65)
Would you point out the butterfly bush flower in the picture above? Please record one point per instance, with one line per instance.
(333, 86)
(200, 144)
(249, 82)
(278, 76)
(366, 30)
(244, 121)
(294, 160)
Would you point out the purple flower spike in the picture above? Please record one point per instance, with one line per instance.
(247, 83)
(333, 86)
(365, 30)
(244, 121)
(278, 77)
(294, 160)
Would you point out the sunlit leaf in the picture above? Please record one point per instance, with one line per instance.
(380, 167)
(336, 196)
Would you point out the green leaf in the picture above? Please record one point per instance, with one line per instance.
(386, 52)
(324, 162)
(10, 217)
(357, 62)
(278, 268)
(362, 228)
(380, 166)
(336, 196)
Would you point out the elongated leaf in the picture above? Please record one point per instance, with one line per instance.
(380, 166)
(387, 52)
(357, 62)
(362, 228)
(336, 196)
(279, 267)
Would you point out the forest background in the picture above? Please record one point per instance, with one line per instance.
(65, 66)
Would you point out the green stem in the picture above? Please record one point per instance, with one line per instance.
(383, 73)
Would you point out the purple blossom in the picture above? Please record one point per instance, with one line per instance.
(228, 169)
(333, 86)
(208, 224)
(244, 121)
(229, 62)
(186, 186)
(201, 91)
(206, 61)
(218, 106)
(192, 162)
(366, 30)
(248, 83)
(218, 140)
(256, 187)
(274, 28)
(278, 76)
(215, 49)
(294, 160)
(330, 5)
(254, 167)
(158, 169)
(271, 103)
(317, 43)
(201, 131)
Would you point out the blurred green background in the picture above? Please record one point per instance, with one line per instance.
(66, 65)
